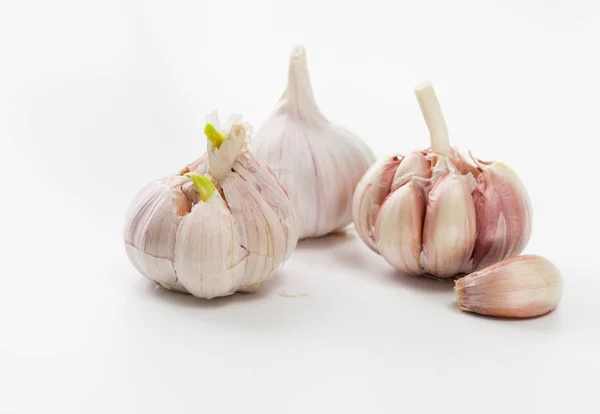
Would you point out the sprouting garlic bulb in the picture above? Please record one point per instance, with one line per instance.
(518, 287)
(434, 212)
(318, 162)
(224, 224)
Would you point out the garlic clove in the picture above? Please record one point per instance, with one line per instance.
(369, 195)
(449, 228)
(151, 227)
(503, 214)
(209, 267)
(306, 151)
(413, 165)
(261, 234)
(398, 228)
(518, 287)
(261, 176)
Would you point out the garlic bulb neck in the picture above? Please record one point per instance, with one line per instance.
(298, 98)
(432, 113)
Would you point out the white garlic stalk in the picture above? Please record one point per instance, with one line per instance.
(518, 287)
(433, 212)
(225, 225)
(318, 162)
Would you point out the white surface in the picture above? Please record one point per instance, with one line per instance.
(97, 98)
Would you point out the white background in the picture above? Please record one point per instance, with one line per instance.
(98, 98)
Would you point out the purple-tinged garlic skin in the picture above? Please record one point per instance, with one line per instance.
(493, 222)
(518, 287)
(373, 188)
(151, 227)
(503, 213)
(476, 213)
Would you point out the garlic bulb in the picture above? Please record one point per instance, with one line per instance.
(224, 224)
(519, 287)
(318, 162)
(434, 212)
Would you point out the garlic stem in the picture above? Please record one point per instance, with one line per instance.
(299, 94)
(203, 184)
(213, 135)
(432, 112)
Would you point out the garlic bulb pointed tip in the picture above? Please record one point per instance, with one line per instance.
(424, 85)
(298, 51)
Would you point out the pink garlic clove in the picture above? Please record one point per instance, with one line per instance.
(449, 228)
(370, 193)
(518, 287)
(503, 214)
(398, 228)
(413, 165)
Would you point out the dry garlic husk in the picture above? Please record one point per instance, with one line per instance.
(519, 287)
(223, 224)
(319, 163)
(433, 212)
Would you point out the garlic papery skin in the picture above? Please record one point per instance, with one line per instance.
(224, 224)
(373, 188)
(399, 228)
(473, 213)
(318, 162)
(519, 287)
(151, 227)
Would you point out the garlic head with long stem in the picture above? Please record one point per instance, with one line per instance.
(434, 212)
